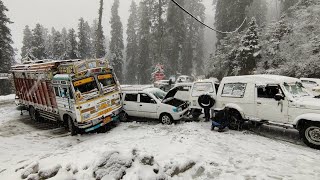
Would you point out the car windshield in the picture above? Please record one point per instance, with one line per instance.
(296, 89)
(202, 88)
(159, 94)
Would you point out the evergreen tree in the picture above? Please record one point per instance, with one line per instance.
(249, 52)
(27, 43)
(99, 37)
(72, 46)
(84, 40)
(6, 50)
(58, 46)
(116, 44)
(229, 15)
(64, 40)
(49, 44)
(144, 64)
(132, 45)
(176, 36)
(38, 43)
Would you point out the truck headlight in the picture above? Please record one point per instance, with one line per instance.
(86, 116)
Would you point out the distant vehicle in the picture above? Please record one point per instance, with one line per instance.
(271, 99)
(84, 95)
(147, 102)
(163, 85)
(312, 84)
(184, 79)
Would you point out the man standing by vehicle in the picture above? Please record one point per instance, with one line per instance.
(206, 102)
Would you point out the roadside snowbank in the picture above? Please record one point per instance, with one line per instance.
(10, 97)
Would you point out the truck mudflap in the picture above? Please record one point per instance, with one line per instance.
(103, 123)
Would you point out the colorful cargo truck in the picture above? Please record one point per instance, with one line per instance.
(84, 95)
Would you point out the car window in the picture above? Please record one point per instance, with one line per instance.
(131, 97)
(234, 90)
(144, 98)
(268, 91)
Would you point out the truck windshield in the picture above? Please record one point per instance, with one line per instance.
(107, 82)
(296, 89)
(85, 86)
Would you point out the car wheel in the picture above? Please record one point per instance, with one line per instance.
(235, 120)
(72, 127)
(123, 116)
(166, 119)
(311, 134)
(33, 114)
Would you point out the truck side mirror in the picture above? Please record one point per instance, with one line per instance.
(279, 97)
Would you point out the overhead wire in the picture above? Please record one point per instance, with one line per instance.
(213, 29)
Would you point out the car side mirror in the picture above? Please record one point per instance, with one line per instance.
(279, 97)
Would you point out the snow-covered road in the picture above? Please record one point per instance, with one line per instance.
(187, 150)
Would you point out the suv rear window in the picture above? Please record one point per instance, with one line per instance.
(202, 88)
(234, 90)
(131, 97)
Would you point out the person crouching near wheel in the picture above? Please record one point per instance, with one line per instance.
(221, 120)
(206, 102)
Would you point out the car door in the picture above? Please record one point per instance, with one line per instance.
(147, 106)
(130, 104)
(268, 108)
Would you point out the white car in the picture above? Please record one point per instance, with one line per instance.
(206, 86)
(312, 84)
(271, 99)
(184, 79)
(146, 102)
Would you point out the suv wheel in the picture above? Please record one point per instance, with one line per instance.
(166, 119)
(72, 127)
(235, 120)
(311, 134)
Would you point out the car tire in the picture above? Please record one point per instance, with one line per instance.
(72, 128)
(166, 119)
(34, 114)
(235, 120)
(123, 117)
(310, 134)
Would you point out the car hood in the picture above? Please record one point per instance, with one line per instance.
(172, 92)
(308, 103)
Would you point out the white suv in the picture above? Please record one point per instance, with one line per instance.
(152, 103)
(272, 99)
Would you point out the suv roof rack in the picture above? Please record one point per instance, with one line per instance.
(135, 87)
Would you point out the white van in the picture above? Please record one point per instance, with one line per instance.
(147, 102)
(272, 99)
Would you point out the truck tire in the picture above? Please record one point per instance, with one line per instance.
(166, 119)
(34, 114)
(235, 120)
(123, 116)
(310, 134)
(72, 128)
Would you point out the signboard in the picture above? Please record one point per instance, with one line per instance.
(158, 74)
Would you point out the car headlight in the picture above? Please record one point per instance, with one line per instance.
(179, 109)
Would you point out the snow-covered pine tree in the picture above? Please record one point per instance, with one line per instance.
(144, 63)
(193, 47)
(249, 51)
(229, 15)
(176, 36)
(258, 9)
(26, 43)
(58, 46)
(116, 44)
(72, 45)
(99, 48)
(132, 45)
(6, 50)
(64, 39)
(38, 42)
(84, 40)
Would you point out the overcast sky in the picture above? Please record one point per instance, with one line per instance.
(62, 13)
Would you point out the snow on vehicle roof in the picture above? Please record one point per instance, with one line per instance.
(136, 87)
(262, 79)
(61, 77)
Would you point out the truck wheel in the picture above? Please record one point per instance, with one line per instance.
(33, 114)
(235, 120)
(72, 127)
(166, 119)
(123, 116)
(311, 134)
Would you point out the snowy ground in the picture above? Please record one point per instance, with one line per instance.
(187, 150)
